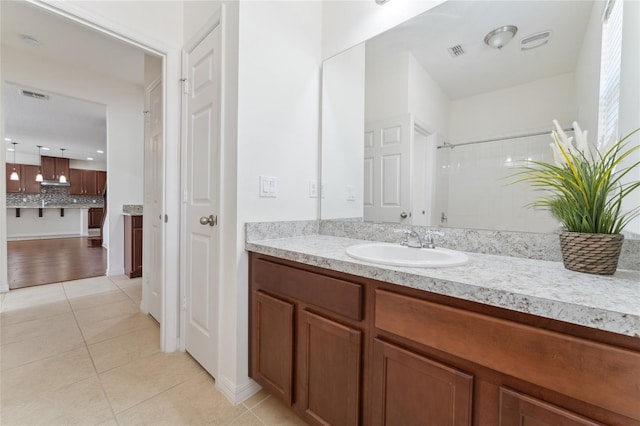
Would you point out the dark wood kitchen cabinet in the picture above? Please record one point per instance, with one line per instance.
(341, 350)
(307, 343)
(27, 183)
(133, 246)
(95, 217)
(83, 182)
(53, 167)
(101, 180)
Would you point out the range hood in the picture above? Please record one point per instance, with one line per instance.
(54, 183)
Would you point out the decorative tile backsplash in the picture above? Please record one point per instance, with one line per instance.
(53, 195)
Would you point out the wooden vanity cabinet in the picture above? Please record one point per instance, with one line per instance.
(332, 343)
(307, 342)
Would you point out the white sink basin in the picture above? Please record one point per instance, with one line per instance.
(397, 255)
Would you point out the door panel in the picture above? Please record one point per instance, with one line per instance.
(153, 277)
(387, 158)
(203, 101)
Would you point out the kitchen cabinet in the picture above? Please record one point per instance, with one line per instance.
(133, 246)
(95, 217)
(53, 167)
(83, 182)
(379, 353)
(101, 179)
(307, 343)
(27, 183)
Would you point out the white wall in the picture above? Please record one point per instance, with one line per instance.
(386, 87)
(157, 20)
(587, 78)
(343, 94)
(88, 165)
(519, 109)
(124, 129)
(350, 22)
(428, 103)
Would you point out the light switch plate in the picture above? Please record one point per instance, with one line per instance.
(313, 189)
(268, 186)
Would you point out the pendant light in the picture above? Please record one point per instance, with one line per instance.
(39, 175)
(62, 178)
(14, 174)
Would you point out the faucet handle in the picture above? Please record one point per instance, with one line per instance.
(405, 236)
(428, 238)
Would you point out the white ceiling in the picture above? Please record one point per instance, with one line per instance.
(62, 122)
(484, 69)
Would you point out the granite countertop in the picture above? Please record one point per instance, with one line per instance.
(543, 288)
(56, 206)
(132, 210)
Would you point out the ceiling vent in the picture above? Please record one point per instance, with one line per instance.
(456, 51)
(535, 40)
(35, 95)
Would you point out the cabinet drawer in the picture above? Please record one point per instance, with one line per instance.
(545, 358)
(335, 295)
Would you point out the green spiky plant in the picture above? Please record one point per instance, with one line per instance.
(585, 190)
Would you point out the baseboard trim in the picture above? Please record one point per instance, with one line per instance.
(112, 272)
(237, 394)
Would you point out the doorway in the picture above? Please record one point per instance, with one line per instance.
(127, 160)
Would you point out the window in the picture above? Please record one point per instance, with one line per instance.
(610, 73)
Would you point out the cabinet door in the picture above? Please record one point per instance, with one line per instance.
(272, 345)
(520, 409)
(13, 186)
(62, 167)
(48, 167)
(409, 389)
(90, 182)
(28, 179)
(329, 373)
(101, 181)
(75, 182)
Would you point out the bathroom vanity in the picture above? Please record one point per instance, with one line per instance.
(498, 341)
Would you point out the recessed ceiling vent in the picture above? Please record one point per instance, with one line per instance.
(456, 51)
(35, 95)
(535, 40)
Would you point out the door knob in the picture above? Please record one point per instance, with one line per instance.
(211, 220)
(403, 215)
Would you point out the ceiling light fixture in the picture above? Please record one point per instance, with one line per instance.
(14, 174)
(44, 148)
(90, 158)
(381, 2)
(39, 175)
(100, 151)
(499, 37)
(7, 139)
(62, 178)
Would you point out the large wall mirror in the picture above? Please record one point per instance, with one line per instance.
(426, 123)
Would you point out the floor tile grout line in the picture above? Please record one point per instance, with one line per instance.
(104, 391)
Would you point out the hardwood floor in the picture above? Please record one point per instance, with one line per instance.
(36, 262)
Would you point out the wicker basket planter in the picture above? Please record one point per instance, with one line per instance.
(591, 253)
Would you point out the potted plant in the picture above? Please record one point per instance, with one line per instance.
(585, 190)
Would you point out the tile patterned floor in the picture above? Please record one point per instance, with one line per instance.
(80, 352)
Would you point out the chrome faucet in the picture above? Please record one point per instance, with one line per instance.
(411, 239)
(428, 239)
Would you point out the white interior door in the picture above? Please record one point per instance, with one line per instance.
(203, 103)
(153, 216)
(387, 170)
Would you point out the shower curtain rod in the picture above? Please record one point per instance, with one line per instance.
(449, 145)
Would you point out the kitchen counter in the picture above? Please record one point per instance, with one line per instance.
(537, 287)
(55, 206)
